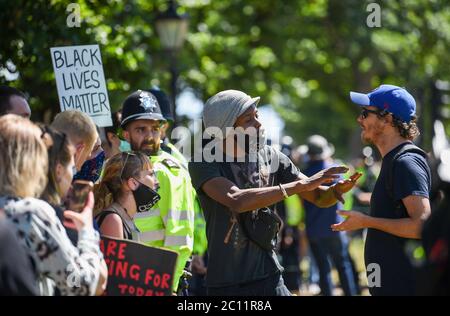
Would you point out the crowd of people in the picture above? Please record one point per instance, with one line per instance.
(226, 214)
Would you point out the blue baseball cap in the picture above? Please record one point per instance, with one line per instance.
(393, 99)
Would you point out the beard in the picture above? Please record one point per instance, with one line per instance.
(147, 147)
(365, 140)
(370, 134)
(252, 143)
(256, 142)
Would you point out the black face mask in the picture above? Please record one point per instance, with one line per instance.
(145, 197)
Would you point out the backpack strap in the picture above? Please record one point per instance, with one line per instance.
(407, 148)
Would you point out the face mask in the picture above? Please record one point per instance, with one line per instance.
(91, 168)
(145, 197)
(124, 146)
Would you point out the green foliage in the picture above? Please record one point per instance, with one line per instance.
(301, 56)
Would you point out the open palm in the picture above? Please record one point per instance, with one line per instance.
(328, 175)
(344, 186)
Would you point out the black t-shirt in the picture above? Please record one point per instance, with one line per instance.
(411, 176)
(17, 276)
(240, 260)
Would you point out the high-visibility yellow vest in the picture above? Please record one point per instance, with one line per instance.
(200, 239)
(177, 154)
(295, 212)
(170, 223)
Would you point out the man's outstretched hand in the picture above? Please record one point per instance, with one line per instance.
(344, 186)
(325, 176)
(353, 220)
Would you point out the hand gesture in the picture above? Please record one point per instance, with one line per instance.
(80, 220)
(324, 176)
(344, 186)
(353, 221)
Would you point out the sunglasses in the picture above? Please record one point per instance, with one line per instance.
(125, 163)
(365, 113)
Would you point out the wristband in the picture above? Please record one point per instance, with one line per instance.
(283, 191)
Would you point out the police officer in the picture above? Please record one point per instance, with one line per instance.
(167, 113)
(198, 267)
(170, 223)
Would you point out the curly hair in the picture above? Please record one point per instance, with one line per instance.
(409, 130)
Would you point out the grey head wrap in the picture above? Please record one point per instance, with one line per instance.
(223, 109)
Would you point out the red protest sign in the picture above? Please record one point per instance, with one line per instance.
(135, 269)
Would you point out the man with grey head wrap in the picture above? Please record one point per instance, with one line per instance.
(223, 109)
(233, 192)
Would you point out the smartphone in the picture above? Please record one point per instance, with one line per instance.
(78, 194)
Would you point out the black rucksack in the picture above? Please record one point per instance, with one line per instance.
(400, 208)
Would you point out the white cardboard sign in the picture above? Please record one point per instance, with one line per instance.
(81, 82)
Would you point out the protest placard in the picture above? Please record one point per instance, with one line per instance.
(81, 82)
(135, 269)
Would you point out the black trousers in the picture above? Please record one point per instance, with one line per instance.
(272, 286)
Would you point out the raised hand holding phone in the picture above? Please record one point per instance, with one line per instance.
(80, 203)
(78, 194)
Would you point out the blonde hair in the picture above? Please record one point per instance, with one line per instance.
(78, 126)
(117, 169)
(23, 158)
